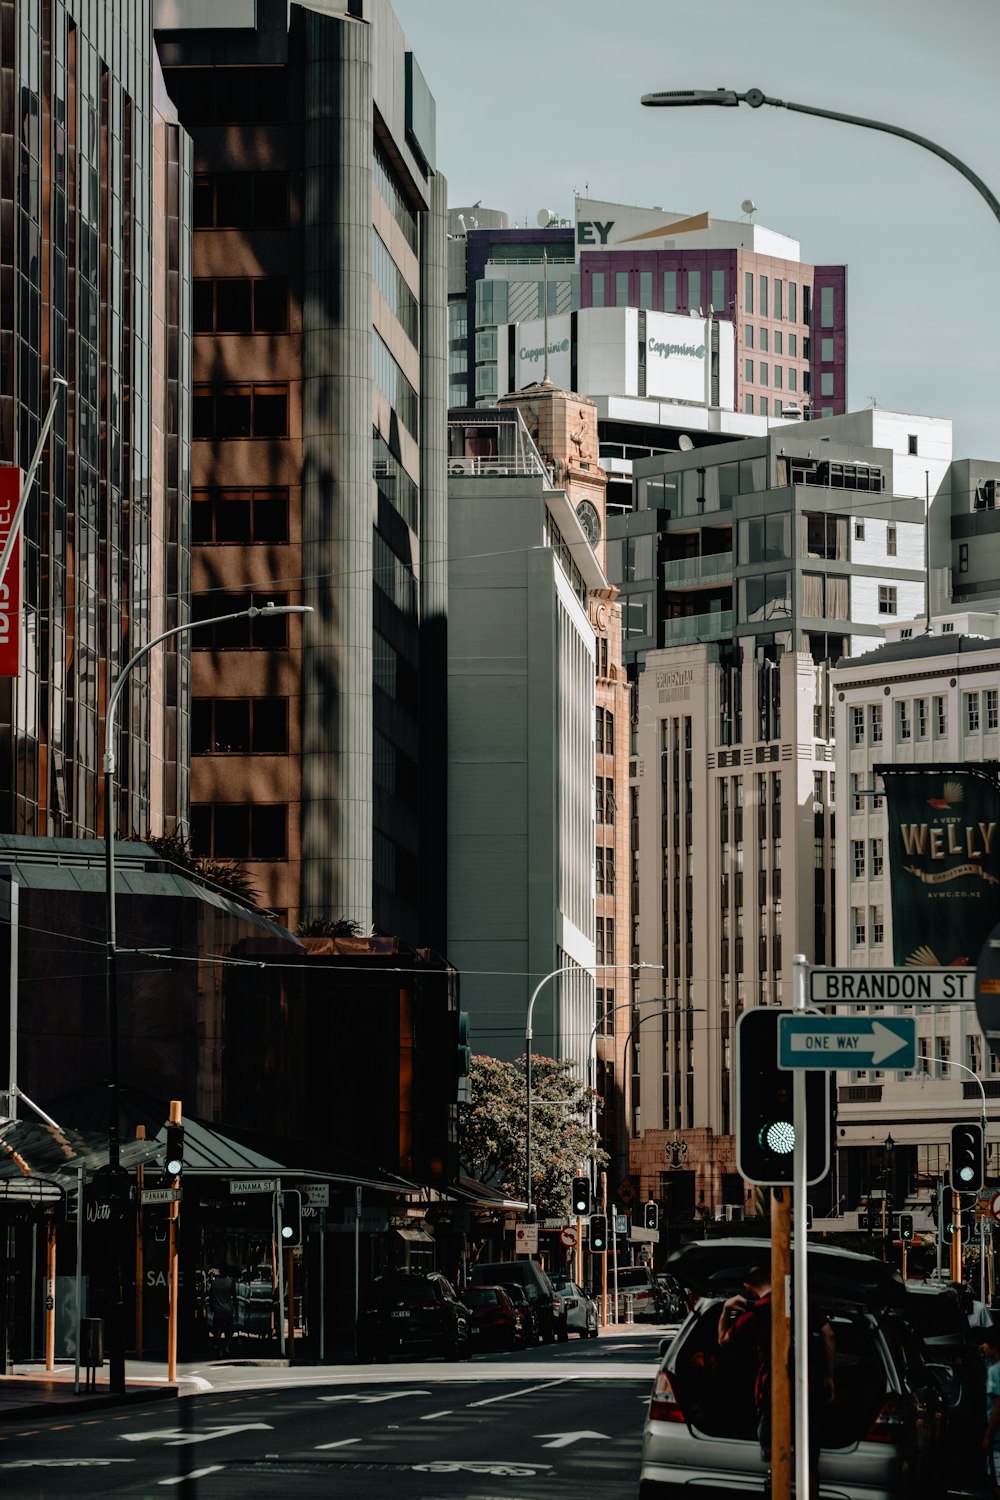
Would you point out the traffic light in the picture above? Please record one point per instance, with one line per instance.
(967, 1167)
(906, 1228)
(581, 1196)
(765, 1132)
(173, 1157)
(290, 1207)
(598, 1234)
(650, 1215)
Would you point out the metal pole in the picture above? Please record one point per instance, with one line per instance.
(781, 1410)
(604, 1258)
(800, 1284)
(36, 458)
(80, 1174)
(12, 1000)
(927, 545)
(940, 1225)
(50, 1294)
(140, 1177)
(357, 1253)
(173, 1264)
(322, 1285)
(280, 1254)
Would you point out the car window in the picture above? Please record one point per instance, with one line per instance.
(481, 1296)
(934, 1316)
(634, 1276)
(409, 1292)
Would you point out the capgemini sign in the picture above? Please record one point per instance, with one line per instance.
(665, 350)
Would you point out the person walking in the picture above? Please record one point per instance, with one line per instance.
(991, 1437)
(222, 1307)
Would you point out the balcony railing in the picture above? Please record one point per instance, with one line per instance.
(713, 626)
(697, 570)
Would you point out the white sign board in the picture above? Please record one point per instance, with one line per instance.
(679, 357)
(526, 1239)
(316, 1193)
(242, 1187)
(160, 1195)
(884, 986)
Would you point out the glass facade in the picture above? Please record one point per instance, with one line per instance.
(94, 212)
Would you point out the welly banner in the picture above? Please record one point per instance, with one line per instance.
(10, 584)
(944, 861)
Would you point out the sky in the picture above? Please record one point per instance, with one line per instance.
(539, 99)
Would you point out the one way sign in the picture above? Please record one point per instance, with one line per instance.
(809, 1041)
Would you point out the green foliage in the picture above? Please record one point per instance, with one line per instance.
(334, 927)
(222, 874)
(492, 1129)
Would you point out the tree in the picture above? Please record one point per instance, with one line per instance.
(492, 1129)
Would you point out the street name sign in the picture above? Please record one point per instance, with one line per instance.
(881, 986)
(160, 1195)
(240, 1187)
(806, 1041)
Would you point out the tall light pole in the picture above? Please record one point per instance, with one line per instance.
(554, 974)
(729, 98)
(945, 1062)
(116, 1323)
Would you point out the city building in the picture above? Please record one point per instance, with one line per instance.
(747, 572)
(771, 329)
(923, 699)
(521, 728)
(94, 245)
(318, 468)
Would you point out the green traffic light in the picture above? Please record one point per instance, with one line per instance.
(778, 1136)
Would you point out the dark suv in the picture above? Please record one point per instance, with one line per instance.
(410, 1310)
(545, 1301)
(938, 1316)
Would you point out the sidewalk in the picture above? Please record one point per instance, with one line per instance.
(33, 1391)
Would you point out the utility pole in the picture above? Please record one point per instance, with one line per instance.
(781, 1386)
(172, 1263)
(604, 1258)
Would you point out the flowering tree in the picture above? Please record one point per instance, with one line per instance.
(492, 1129)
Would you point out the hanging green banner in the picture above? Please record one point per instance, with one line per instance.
(944, 861)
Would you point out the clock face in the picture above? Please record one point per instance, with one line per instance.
(590, 521)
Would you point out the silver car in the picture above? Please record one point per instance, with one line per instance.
(581, 1311)
(882, 1436)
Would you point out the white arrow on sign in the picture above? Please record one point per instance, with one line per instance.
(880, 1040)
(563, 1439)
(372, 1400)
(176, 1437)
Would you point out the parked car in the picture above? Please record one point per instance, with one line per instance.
(639, 1289)
(581, 1310)
(526, 1310)
(408, 1310)
(537, 1288)
(495, 1320)
(882, 1437)
(937, 1314)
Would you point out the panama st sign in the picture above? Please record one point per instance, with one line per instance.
(807, 1041)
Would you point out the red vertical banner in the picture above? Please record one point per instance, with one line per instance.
(10, 585)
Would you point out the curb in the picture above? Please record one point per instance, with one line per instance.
(92, 1401)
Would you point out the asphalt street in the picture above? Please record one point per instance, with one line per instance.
(550, 1423)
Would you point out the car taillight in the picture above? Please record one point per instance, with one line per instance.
(663, 1405)
(886, 1426)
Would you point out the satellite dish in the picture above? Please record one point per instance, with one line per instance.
(684, 443)
(545, 216)
(748, 206)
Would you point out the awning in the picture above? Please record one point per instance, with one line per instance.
(415, 1236)
(31, 1149)
(481, 1195)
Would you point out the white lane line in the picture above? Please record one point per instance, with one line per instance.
(508, 1395)
(340, 1443)
(432, 1414)
(195, 1474)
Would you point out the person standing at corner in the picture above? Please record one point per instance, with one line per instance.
(222, 1308)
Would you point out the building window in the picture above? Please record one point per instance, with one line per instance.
(793, 379)
(905, 728)
(395, 387)
(940, 717)
(887, 599)
(260, 634)
(890, 540)
(858, 858)
(777, 377)
(858, 725)
(597, 289)
(857, 801)
(876, 723)
(826, 383)
(762, 373)
(621, 289)
(942, 1049)
(763, 341)
(240, 830)
(921, 707)
(694, 291)
(240, 411)
(858, 926)
(859, 531)
(826, 307)
(911, 443)
(239, 726)
(748, 369)
(877, 860)
(238, 517)
(748, 335)
(763, 406)
(646, 290)
(669, 291)
(778, 341)
(793, 310)
(241, 200)
(240, 305)
(748, 404)
(748, 292)
(878, 926)
(718, 297)
(963, 557)
(762, 284)
(923, 1060)
(971, 712)
(991, 708)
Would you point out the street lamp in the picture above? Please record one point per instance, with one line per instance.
(729, 98)
(554, 974)
(116, 1325)
(682, 1010)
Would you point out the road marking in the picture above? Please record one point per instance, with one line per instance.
(176, 1437)
(340, 1443)
(508, 1395)
(565, 1439)
(432, 1414)
(65, 1463)
(195, 1474)
(372, 1400)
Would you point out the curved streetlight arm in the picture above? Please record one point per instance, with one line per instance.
(945, 1062)
(756, 97)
